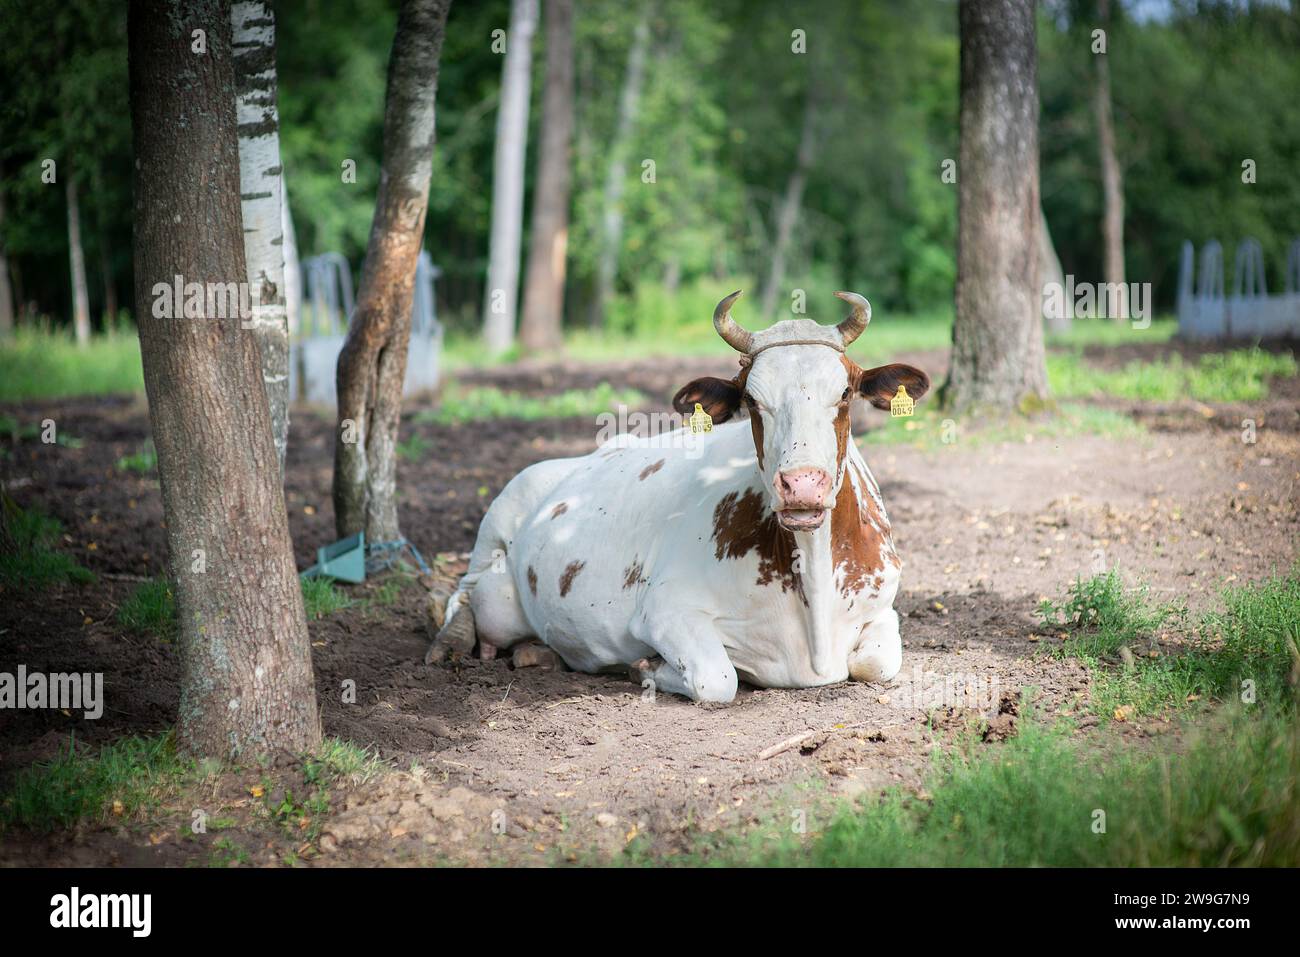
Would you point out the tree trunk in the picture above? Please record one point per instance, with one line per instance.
(788, 215)
(997, 338)
(501, 297)
(292, 265)
(253, 27)
(541, 326)
(616, 175)
(1049, 271)
(6, 291)
(246, 675)
(1111, 179)
(77, 259)
(372, 365)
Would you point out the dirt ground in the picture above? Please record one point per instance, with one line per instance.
(488, 763)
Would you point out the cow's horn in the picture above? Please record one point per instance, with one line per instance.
(852, 325)
(739, 339)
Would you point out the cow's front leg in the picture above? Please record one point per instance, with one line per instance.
(879, 653)
(692, 660)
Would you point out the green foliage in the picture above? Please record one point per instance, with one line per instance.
(323, 598)
(1105, 615)
(33, 563)
(1250, 650)
(1241, 375)
(933, 428)
(118, 780)
(487, 403)
(150, 609)
(414, 448)
(38, 364)
(1230, 800)
(146, 460)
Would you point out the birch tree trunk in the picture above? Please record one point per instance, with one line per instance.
(372, 365)
(501, 297)
(253, 31)
(541, 326)
(1049, 271)
(246, 676)
(616, 173)
(77, 261)
(997, 338)
(788, 215)
(1111, 178)
(292, 265)
(6, 291)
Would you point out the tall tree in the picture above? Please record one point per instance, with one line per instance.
(77, 262)
(540, 326)
(372, 365)
(1111, 178)
(997, 338)
(246, 675)
(260, 185)
(501, 297)
(6, 291)
(788, 214)
(629, 100)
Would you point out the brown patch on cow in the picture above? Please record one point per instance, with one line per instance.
(532, 580)
(860, 540)
(632, 575)
(650, 470)
(570, 573)
(756, 426)
(743, 524)
(559, 510)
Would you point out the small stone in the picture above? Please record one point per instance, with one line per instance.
(605, 819)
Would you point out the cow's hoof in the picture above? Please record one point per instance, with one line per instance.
(638, 671)
(535, 656)
(456, 638)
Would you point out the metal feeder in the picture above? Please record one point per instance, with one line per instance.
(345, 560)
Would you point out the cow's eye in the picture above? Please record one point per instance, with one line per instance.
(847, 393)
(751, 402)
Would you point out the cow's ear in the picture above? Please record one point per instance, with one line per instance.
(719, 397)
(880, 384)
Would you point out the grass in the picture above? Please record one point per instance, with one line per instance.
(1247, 652)
(414, 448)
(932, 428)
(38, 364)
(143, 461)
(150, 609)
(487, 403)
(323, 598)
(33, 562)
(136, 778)
(1229, 799)
(1240, 375)
(119, 780)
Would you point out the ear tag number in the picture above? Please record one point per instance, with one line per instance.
(700, 420)
(901, 404)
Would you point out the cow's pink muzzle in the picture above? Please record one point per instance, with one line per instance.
(802, 494)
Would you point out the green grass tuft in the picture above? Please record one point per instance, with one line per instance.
(84, 785)
(143, 461)
(1241, 375)
(150, 609)
(32, 562)
(322, 597)
(1249, 652)
(487, 403)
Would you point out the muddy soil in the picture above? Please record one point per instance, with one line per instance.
(491, 763)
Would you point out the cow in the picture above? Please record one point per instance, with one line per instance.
(761, 552)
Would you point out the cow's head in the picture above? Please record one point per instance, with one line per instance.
(796, 386)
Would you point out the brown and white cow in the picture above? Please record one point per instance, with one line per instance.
(762, 552)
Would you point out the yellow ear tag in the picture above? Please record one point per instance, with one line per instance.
(901, 404)
(700, 420)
